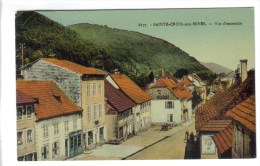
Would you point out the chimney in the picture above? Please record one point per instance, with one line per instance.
(243, 69)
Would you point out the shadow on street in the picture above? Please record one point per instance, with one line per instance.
(192, 150)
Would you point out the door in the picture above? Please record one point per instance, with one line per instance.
(75, 144)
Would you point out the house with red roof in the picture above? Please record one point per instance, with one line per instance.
(171, 101)
(84, 85)
(142, 108)
(119, 114)
(25, 118)
(57, 121)
(217, 120)
(244, 130)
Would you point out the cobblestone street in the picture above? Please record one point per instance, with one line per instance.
(150, 144)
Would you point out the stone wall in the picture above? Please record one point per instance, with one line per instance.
(67, 80)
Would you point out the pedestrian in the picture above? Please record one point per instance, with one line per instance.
(187, 135)
(192, 137)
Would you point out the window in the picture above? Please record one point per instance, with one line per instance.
(95, 111)
(19, 138)
(169, 118)
(45, 152)
(101, 133)
(159, 92)
(55, 148)
(19, 113)
(94, 89)
(99, 88)
(45, 131)
(100, 110)
(90, 137)
(29, 110)
(29, 136)
(169, 104)
(66, 125)
(56, 128)
(75, 124)
(79, 140)
(88, 89)
(89, 112)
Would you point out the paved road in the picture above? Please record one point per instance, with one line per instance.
(172, 147)
(151, 144)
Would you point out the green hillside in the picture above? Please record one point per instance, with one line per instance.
(133, 53)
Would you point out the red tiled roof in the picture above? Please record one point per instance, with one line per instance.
(177, 89)
(215, 125)
(23, 98)
(223, 139)
(130, 88)
(186, 81)
(220, 103)
(117, 99)
(52, 101)
(244, 113)
(75, 67)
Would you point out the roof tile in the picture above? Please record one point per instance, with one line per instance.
(52, 101)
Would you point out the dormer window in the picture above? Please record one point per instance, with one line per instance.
(57, 97)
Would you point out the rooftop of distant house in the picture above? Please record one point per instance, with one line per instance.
(52, 101)
(178, 89)
(130, 88)
(75, 67)
(117, 99)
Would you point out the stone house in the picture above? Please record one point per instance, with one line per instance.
(58, 121)
(119, 115)
(84, 85)
(25, 116)
(142, 109)
(171, 102)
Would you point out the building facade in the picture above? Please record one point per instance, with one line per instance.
(119, 115)
(58, 121)
(171, 102)
(85, 86)
(142, 109)
(25, 115)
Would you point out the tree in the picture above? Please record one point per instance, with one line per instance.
(151, 76)
(180, 73)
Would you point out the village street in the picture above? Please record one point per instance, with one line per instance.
(151, 144)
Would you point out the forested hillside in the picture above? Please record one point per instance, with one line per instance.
(132, 53)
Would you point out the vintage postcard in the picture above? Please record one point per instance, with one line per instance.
(134, 84)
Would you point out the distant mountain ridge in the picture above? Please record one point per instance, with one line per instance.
(216, 68)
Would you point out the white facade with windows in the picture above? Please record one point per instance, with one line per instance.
(166, 111)
(53, 135)
(26, 149)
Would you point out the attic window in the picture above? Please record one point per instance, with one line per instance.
(57, 97)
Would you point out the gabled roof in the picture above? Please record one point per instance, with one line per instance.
(52, 101)
(117, 99)
(130, 88)
(219, 104)
(177, 88)
(75, 67)
(223, 139)
(186, 81)
(23, 98)
(244, 113)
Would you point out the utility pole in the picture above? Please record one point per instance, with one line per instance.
(22, 46)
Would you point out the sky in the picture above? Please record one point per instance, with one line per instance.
(213, 41)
